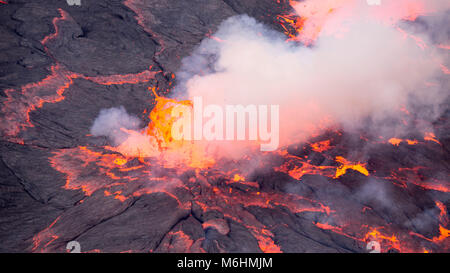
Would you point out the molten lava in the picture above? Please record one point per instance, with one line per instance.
(151, 161)
(156, 139)
(346, 165)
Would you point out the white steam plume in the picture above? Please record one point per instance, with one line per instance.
(371, 70)
(367, 72)
(111, 122)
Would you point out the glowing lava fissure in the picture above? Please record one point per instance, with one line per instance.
(19, 103)
(225, 189)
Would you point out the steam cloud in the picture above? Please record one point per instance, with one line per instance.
(367, 71)
(370, 71)
(111, 122)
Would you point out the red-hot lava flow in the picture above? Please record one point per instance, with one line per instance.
(233, 188)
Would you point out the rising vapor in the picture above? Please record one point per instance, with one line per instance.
(366, 70)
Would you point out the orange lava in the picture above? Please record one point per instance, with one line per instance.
(341, 170)
(429, 136)
(395, 141)
(63, 16)
(391, 241)
(20, 103)
(238, 178)
(321, 146)
(126, 171)
(156, 141)
(403, 176)
(312, 18)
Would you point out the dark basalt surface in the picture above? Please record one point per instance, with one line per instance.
(112, 38)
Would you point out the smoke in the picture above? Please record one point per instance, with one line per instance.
(113, 122)
(425, 221)
(330, 17)
(374, 192)
(352, 66)
(368, 71)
